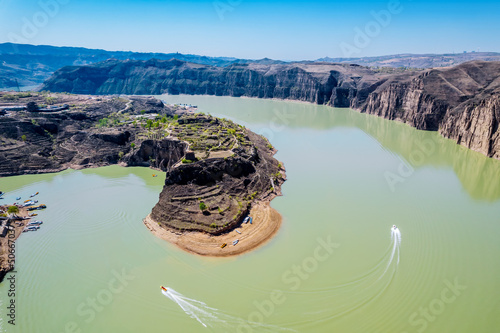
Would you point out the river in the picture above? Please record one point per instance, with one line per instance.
(336, 264)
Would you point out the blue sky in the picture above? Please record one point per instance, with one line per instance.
(289, 30)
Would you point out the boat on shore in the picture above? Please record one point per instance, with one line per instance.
(246, 219)
(42, 206)
(235, 242)
(31, 228)
(35, 222)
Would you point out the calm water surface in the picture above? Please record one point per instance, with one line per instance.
(335, 265)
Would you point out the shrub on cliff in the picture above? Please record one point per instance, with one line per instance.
(203, 207)
(32, 107)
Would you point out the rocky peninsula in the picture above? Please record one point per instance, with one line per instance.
(460, 102)
(217, 172)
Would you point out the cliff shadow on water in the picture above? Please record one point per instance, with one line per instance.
(417, 149)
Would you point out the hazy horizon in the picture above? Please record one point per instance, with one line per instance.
(280, 30)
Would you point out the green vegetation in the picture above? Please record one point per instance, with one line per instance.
(132, 145)
(50, 100)
(103, 122)
(203, 207)
(13, 210)
(23, 137)
(9, 97)
(120, 155)
(186, 161)
(24, 94)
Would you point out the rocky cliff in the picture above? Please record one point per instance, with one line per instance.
(460, 102)
(216, 169)
(320, 83)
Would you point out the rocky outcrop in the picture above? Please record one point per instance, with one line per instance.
(214, 195)
(316, 82)
(460, 102)
(216, 169)
(51, 142)
(476, 127)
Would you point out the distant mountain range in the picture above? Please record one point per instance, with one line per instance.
(417, 60)
(30, 65)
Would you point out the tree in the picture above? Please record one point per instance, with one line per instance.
(13, 210)
(203, 207)
(23, 137)
(120, 155)
(32, 107)
(132, 145)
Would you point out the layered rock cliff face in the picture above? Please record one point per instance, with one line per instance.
(50, 142)
(215, 194)
(316, 82)
(460, 102)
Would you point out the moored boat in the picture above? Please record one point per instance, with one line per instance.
(35, 222)
(42, 206)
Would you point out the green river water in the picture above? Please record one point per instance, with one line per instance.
(335, 265)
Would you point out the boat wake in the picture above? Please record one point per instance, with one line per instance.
(213, 318)
(357, 293)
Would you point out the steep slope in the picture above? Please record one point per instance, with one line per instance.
(317, 83)
(461, 102)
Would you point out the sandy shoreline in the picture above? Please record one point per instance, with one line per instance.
(266, 223)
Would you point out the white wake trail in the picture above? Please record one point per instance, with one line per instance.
(214, 318)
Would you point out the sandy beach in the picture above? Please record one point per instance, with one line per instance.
(266, 223)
